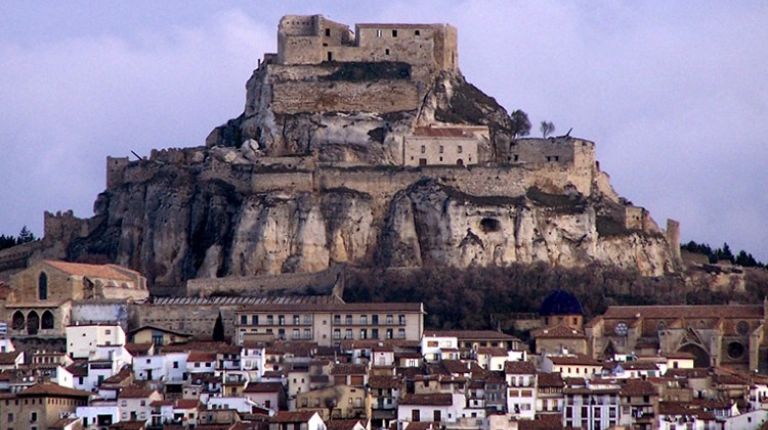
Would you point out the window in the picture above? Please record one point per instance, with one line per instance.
(307, 333)
(42, 286)
(363, 333)
(296, 320)
(328, 32)
(348, 334)
(389, 333)
(374, 333)
(281, 320)
(364, 319)
(348, 320)
(270, 320)
(401, 319)
(175, 364)
(33, 417)
(390, 319)
(378, 33)
(401, 333)
(417, 32)
(254, 320)
(386, 51)
(243, 319)
(336, 333)
(394, 33)
(423, 149)
(441, 149)
(459, 149)
(295, 334)
(337, 319)
(10, 418)
(375, 319)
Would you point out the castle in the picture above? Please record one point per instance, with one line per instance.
(340, 130)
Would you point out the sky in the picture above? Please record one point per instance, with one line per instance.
(675, 94)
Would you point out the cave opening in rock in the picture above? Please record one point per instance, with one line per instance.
(490, 225)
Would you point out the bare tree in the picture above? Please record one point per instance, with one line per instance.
(547, 128)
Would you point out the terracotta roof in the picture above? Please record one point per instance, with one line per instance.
(384, 382)
(9, 358)
(104, 271)
(342, 424)
(292, 416)
(560, 331)
(437, 399)
(335, 307)
(551, 380)
(120, 376)
(519, 368)
(685, 311)
(128, 425)
(202, 356)
(454, 132)
(138, 348)
(471, 334)
(78, 368)
(455, 367)
(186, 403)
(62, 423)
(696, 372)
(349, 369)
(637, 387)
(263, 387)
(542, 422)
(578, 360)
(494, 351)
(52, 390)
(135, 393)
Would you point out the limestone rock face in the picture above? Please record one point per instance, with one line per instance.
(284, 188)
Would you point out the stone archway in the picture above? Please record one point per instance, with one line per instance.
(18, 321)
(700, 355)
(46, 322)
(33, 323)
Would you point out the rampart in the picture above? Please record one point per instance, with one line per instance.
(382, 96)
(327, 282)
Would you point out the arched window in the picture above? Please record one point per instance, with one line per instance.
(42, 286)
(33, 323)
(46, 323)
(17, 322)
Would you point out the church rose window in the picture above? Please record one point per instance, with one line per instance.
(742, 328)
(735, 350)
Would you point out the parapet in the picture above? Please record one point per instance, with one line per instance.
(315, 39)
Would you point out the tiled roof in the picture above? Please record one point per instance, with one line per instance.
(135, 393)
(492, 351)
(342, 424)
(201, 356)
(384, 382)
(103, 271)
(138, 348)
(455, 367)
(469, 335)
(578, 360)
(685, 311)
(336, 307)
(292, 416)
(558, 332)
(519, 368)
(638, 387)
(186, 403)
(349, 369)
(437, 399)
(551, 380)
(542, 422)
(9, 358)
(263, 387)
(442, 132)
(51, 390)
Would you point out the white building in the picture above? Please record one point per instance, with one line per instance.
(240, 404)
(98, 415)
(592, 406)
(83, 339)
(437, 407)
(435, 347)
(166, 367)
(253, 359)
(522, 388)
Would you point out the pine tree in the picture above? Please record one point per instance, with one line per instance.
(25, 236)
(218, 329)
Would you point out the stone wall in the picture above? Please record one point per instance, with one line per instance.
(325, 282)
(382, 96)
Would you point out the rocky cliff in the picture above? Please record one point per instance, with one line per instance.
(292, 187)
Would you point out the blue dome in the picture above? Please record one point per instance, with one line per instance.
(560, 302)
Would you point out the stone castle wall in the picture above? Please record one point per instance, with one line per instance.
(379, 96)
(325, 282)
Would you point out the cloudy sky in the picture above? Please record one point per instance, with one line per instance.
(674, 94)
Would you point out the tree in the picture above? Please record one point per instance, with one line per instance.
(7, 241)
(521, 125)
(25, 236)
(547, 128)
(218, 329)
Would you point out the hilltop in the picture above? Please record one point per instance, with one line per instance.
(368, 148)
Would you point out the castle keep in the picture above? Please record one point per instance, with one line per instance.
(316, 39)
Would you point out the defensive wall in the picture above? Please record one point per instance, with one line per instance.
(381, 96)
(327, 282)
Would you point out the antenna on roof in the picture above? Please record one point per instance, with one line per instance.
(136, 155)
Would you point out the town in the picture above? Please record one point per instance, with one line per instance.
(76, 356)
